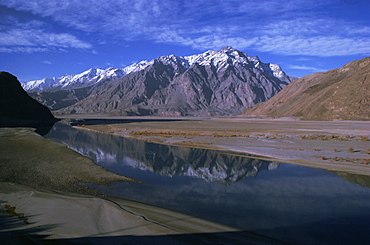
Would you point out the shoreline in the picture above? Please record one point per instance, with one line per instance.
(41, 201)
(70, 217)
(341, 146)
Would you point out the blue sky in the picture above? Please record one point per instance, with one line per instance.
(46, 38)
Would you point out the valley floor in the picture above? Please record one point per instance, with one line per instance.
(342, 146)
(43, 202)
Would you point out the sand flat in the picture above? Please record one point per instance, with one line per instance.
(66, 215)
(29, 159)
(75, 218)
(331, 145)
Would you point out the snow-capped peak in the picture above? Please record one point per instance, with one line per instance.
(210, 57)
(224, 57)
(135, 67)
(84, 79)
(227, 55)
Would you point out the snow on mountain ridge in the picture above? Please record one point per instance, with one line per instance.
(235, 57)
(39, 85)
(86, 78)
(135, 67)
(222, 58)
(210, 57)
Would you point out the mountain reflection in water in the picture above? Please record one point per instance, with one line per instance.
(209, 165)
(294, 204)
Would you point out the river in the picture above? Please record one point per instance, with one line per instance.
(295, 204)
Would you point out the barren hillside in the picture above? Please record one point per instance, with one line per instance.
(339, 94)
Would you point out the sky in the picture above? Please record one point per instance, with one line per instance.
(51, 38)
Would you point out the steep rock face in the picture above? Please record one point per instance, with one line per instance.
(17, 108)
(339, 94)
(223, 82)
(215, 90)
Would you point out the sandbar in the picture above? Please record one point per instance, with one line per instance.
(342, 146)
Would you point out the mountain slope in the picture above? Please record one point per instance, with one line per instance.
(223, 82)
(61, 98)
(57, 93)
(339, 94)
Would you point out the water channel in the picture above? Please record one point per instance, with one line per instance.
(290, 203)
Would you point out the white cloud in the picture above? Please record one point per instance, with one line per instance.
(34, 36)
(22, 49)
(276, 26)
(38, 40)
(321, 46)
(303, 59)
(308, 68)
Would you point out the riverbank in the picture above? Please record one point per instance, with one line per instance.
(42, 201)
(30, 215)
(331, 145)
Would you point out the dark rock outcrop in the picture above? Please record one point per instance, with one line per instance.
(17, 108)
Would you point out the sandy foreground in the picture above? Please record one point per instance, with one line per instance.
(42, 202)
(73, 217)
(342, 146)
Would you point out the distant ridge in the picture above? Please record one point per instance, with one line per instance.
(84, 79)
(339, 94)
(223, 82)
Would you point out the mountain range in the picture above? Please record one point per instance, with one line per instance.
(213, 83)
(85, 79)
(339, 94)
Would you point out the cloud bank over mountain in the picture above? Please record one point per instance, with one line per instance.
(77, 35)
(248, 24)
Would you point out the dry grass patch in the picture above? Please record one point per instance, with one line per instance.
(364, 161)
(185, 134)
(334, 137)
(10, 211)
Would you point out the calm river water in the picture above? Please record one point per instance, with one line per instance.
(294, 204)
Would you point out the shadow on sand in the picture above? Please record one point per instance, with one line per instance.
(237, 238)
(14, 231)
(41, 128)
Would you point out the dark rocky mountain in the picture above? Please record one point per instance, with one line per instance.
(339, 94)
(223, 82)
(17, 108)
(59, 99)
